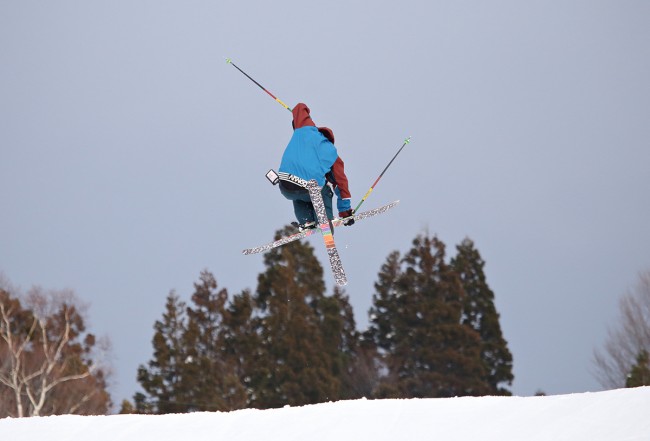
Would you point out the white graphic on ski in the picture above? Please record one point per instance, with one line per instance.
(328, 237)
(336, 222)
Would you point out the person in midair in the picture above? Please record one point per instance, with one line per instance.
(311, 154)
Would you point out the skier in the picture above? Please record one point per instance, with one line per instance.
(311, 154)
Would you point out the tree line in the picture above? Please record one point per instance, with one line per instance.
(433, 332)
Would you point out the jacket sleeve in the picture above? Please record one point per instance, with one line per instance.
(341, 185)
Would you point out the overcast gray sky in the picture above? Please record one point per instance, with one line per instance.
(132, 156)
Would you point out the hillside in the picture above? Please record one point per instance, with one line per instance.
(611, 415)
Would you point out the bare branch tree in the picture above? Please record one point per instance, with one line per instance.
(632, 336)
(12, 373)
(42, 362)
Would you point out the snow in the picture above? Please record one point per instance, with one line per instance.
(611, 415)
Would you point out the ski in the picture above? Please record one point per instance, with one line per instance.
(336, 222)
(326, 230)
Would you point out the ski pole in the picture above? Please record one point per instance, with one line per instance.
(406, 141)
(229, 61)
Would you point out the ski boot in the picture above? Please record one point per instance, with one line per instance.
(306, 226)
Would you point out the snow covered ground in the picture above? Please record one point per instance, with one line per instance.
(612, 415)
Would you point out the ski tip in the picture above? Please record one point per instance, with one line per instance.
(228, 60)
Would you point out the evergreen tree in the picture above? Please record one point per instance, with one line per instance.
(241, 346)
(195, 362)
(416, 324)
(341, 341)
(640, 373)
(480, 314)
(210, 377)
(294, 365)
(163, 377)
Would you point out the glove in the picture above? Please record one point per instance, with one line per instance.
(347, 214)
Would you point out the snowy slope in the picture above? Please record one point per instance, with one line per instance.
(612, 415)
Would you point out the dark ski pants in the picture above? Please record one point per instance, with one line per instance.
(302, 206)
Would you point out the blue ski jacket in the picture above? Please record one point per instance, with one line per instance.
(311, 154)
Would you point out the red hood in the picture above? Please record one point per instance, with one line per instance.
(301, 116)
(327, 132)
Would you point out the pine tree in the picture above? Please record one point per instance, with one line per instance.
(195, 366)
(480, 314)
(210, 377)
(416, 324)
(162, 379)
(640, 373)
(287, 343)
(341, 341)
(241, 346)
(293, 366)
